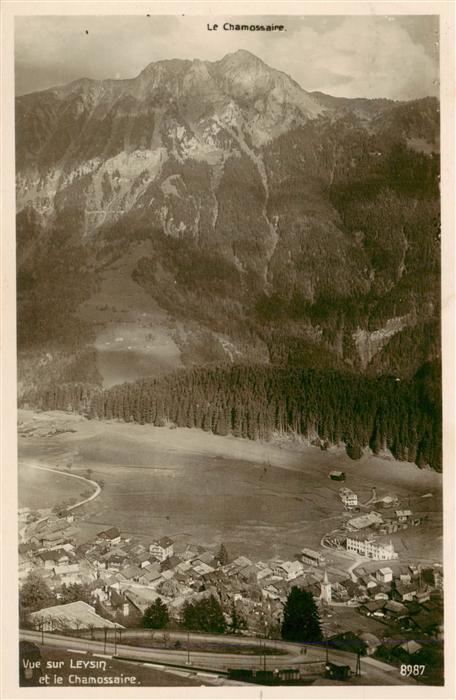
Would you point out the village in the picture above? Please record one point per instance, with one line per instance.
(125, 575)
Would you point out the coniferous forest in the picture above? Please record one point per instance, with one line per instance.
(383, 412)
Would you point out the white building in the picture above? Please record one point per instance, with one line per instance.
(162, 549)
(384, 575)
(368, 547)
(403, 515)
(348, 498)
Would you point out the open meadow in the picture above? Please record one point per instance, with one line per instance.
(260, 499)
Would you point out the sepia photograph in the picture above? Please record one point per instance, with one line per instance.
(229, 353)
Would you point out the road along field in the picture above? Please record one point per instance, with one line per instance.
(373, 672)
(261, 499)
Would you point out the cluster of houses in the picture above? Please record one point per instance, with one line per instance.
(126, 575)
(366, 534)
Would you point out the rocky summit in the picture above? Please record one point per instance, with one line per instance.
(216, 212)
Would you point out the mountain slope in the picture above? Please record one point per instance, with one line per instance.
(242, 214)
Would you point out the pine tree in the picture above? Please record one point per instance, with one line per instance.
(222, 555)
(35, 594)
(156, 616)
(301, 622)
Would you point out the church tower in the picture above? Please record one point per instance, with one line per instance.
(325, 594)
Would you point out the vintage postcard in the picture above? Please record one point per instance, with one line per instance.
(228, 389)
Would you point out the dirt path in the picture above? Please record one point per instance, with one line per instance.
(73, 476)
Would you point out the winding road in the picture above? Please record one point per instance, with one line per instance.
(73, 476)
(373, 672)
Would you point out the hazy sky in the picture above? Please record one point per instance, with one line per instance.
(352, 56)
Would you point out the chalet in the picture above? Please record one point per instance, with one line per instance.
(404, 591)
(339, 592)
(271, 592)
(183, 567)
(115, 561)
(423, 595)
(203, 569)
(162, 548)
(54, 558)
(131, 573)
(368, 547)
(292, 569)
(368, 582)
(276, 567)
(347, 641)
(364, 521)
(310, 556)
(50, 539)
(384, 575)
(372, 607)
(68, 573)
(241, 562)
(395, 609)
(206, 558)
(112, 535)
(250, 573)
(405, 576)
(147, 578)
(337, 475)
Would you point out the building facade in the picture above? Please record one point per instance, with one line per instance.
(368, 547)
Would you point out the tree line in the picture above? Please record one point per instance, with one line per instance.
(254, 402)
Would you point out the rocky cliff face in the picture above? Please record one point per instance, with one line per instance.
(221, 190)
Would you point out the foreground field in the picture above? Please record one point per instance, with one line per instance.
(261, 499)
(40, 489)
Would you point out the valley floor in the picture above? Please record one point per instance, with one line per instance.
(260, 499)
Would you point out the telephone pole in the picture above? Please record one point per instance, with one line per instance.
(358, 664)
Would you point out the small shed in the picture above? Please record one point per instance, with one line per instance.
(337, 475)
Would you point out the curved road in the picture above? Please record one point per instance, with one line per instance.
(373, 672)
(74, 476)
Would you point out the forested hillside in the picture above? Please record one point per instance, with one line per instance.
(262, 221)
(255, 402)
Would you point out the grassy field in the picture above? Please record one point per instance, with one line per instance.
(261, 499)
(40, 489)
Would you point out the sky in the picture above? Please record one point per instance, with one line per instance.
(346, 56)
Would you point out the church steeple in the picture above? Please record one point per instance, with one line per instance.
(325, 587)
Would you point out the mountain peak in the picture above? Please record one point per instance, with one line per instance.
(242, 56)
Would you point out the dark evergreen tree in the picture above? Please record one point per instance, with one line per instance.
(222, 555)
(156, 616)
(35, 594)
(301, 622)
(205, 615)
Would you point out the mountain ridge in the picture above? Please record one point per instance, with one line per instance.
(246, 209)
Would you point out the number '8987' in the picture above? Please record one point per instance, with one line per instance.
(412, 670)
